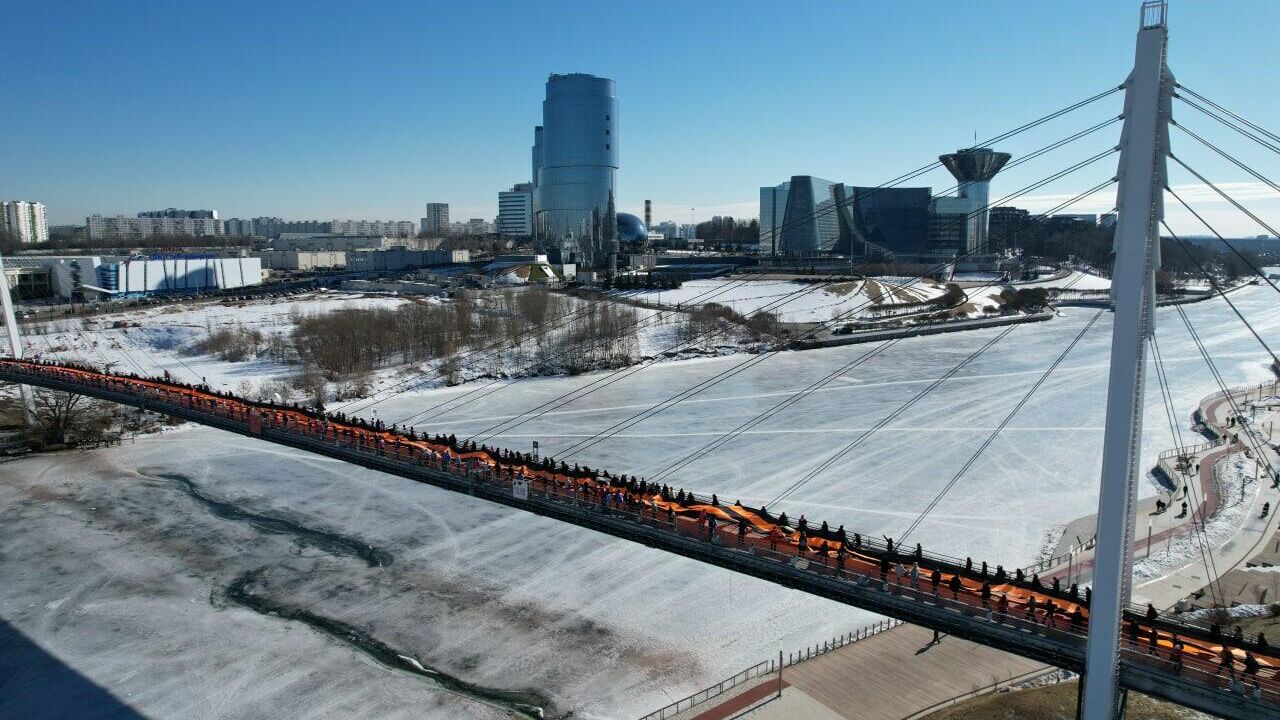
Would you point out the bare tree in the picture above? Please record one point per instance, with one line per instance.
(63, 418)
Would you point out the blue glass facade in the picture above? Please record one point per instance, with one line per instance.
(631, 229)
(892, 219)
(808, 215)
(576, 152)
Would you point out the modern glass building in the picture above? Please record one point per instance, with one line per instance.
(632, 229)
(809, 215)
(575, 153)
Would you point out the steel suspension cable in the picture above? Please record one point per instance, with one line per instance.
(746, 364)
(604, 381)
(1238, 117)
(772, 236)
(897, 412)
(1264, 143)
(1257, 270)
(497, 348)
(724, 439)
(1197, 515)
(1226, 391)
(439, 408)
(1225, 155)
(1008, 418)
(621, 374)
(725, 375)
(1182, 244)
(1226, 197)
(408, 383)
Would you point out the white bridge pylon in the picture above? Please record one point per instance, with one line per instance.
(1144, 146)
(15, 344)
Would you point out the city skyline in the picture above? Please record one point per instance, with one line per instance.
(697, 136)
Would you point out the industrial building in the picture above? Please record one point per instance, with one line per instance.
(331, 241)
(575, 168)
(397, 259)
(84, 278)
(392, 259)
(303, 260)
(174, 274)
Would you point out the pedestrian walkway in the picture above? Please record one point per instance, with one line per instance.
(1196, 465)
(885, 677)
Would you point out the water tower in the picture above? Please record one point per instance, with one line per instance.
(973, 168)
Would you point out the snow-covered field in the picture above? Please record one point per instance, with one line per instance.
(795, 301)
(113, 567)
(157, 338)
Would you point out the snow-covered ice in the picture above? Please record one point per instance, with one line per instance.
(501, 599)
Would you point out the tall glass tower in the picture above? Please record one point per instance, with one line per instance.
(576, 157)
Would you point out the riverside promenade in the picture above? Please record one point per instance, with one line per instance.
(901, 674)
(890, 675)
(1245, 421)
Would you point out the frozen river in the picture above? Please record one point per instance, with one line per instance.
(502, 600)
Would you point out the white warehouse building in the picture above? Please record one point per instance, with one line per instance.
(166, 274)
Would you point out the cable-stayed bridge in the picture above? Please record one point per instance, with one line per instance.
(1093, 631)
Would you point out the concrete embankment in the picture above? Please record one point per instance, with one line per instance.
(919, 330)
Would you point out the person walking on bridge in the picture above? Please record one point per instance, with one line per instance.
(955, 587)
(935, 579)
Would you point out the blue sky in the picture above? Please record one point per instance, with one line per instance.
(370, 109)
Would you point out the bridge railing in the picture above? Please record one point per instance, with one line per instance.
(1271, 386)
(1191, 450)
(1057, 560)
(763, 669)
(839, 641)
(771, 667)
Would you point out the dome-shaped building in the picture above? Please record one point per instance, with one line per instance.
(631, 229)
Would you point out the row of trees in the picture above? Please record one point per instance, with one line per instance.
(1094, 246)
(528, 328)
(724, 229)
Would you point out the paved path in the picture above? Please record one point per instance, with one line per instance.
(1168, 589)
(889, 676)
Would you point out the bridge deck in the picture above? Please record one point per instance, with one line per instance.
(1039, 637)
